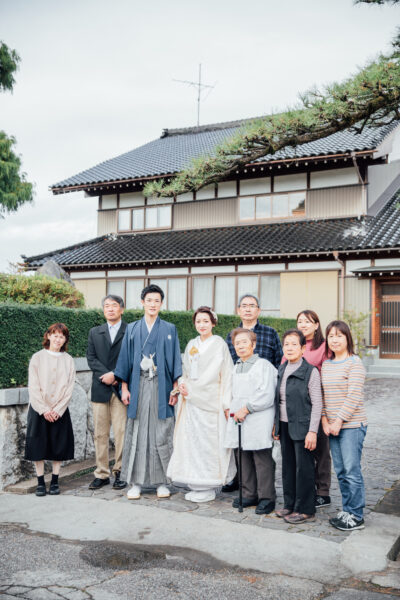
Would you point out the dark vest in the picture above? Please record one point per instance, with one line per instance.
(298, 401)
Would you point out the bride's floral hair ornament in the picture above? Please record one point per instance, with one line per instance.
(208, 311)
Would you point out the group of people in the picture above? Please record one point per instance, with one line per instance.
(176, 420)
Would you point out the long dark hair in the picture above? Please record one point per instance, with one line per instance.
(343, 328)
(318, 338)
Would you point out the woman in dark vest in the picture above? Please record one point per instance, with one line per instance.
(298, 405)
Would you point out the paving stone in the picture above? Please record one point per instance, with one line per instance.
(391, 579)
(379, 463)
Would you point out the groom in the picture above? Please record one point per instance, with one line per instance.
(149, 366)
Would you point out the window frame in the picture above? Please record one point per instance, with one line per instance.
(271, 196)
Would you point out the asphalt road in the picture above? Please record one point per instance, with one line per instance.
(41, 567)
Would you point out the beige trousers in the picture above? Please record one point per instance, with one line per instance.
(106, 414)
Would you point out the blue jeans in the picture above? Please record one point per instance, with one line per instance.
(346, 449)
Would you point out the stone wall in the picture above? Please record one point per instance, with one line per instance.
(13, 412)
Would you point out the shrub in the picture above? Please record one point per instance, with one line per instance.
(39, 289)
(22, 328)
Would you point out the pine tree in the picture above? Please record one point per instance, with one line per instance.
(369, 98)
(14, 189)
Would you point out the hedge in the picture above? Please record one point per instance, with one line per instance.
(22, 328)
(39, 289)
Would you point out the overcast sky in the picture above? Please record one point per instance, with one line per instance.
(96, 80)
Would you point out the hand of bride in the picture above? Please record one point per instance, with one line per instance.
(183, 389)
(227, 413)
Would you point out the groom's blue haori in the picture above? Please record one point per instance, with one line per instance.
(163, 341)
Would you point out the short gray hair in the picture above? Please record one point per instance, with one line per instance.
(248, 296)
(115, 298)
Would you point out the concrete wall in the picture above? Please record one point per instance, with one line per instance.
(93, 290)
(317, 291)
(13, 413)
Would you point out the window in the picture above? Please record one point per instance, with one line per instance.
(202, 292)
(274, 206)
(248, 285)
(270, 295)
(162, 283)
(124, 220)
(138, 219)
(148, 217)
(174, 291)
(158, 216)
(177, 294)
(117, 288)
(246, 208)
(133, 291)
(263, 207)
(225, 295)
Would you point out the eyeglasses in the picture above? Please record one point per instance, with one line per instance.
(248, 306)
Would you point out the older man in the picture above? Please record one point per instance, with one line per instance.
(268, 344)
(104, 345)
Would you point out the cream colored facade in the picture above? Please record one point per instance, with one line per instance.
(318, 291)
(93, 290)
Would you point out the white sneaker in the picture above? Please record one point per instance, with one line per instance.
(163, 492)
(134, 492)
(206, 496)
(188, 496)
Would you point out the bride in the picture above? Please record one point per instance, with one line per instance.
(199, 460)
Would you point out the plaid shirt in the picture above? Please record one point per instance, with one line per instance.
(268, 344)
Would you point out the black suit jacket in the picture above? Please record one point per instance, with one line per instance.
(102, 357)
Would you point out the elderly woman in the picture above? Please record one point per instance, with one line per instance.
(253, 391)
(49, 433)
(298, 404)
(200, 460)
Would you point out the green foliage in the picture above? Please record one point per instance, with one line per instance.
(39, 289)
(370, 98)
(14, 189)
(9, 61)
(22, 328)
(357, 323)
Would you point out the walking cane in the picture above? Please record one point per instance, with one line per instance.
(239, 424)
(240, 508)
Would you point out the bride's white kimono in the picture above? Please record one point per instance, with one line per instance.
(199, 457)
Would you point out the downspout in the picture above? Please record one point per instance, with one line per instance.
(360, 180)
(341, 263)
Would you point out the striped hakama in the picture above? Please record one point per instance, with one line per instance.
(148, 442)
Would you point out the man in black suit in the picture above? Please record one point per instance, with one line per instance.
(103, 349)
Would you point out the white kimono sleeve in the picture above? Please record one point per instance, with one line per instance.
(226, 378)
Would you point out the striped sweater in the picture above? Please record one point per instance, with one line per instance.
(343, 386)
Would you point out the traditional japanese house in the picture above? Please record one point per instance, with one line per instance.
(315, 226)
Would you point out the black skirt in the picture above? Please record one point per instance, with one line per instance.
(49, 441)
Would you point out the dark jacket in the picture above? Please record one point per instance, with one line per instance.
(298, 401)
(102, 357)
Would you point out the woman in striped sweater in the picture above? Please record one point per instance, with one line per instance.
(345, 422)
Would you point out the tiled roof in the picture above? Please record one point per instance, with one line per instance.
(175, 149)
(346, 234)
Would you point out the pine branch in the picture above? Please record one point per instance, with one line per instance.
(370, 98)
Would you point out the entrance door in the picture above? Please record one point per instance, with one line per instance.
(390, 320)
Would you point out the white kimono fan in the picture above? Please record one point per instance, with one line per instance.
(199, 456)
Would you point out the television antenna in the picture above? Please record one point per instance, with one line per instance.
(200, 88)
